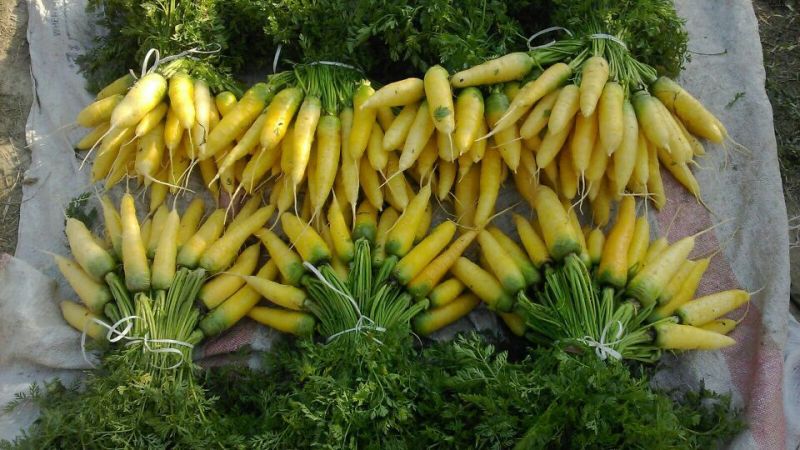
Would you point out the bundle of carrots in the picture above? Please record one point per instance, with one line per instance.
(154, 255)
(655, 279)
(386, 271)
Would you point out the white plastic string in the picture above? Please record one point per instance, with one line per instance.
(363, 322)
(184, 54)
(147, 60)
(602, 348)
(114, 335)
(542, 32)
(319, 276)
(146, 348)
(608, 37)
(334, 63)
(275, 59)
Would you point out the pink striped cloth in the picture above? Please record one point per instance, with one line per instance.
(755, 363)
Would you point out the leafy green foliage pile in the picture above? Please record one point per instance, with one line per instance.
(651, 29)
(462, 394)
(390, 39)
(121, 406)
(459, 394)
(172, 26)
(386, 39)
(554, 399)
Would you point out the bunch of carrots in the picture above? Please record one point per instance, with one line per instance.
(652, 283)
(577, 119)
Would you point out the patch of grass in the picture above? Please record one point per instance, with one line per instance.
(779, 24)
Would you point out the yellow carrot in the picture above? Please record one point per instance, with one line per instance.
(366, 222)
(511, 66)
(238, 120)
(440, 99)
(92, 293)
(673, 336)
(279, 115)
(593, 79)
(395, 135)
(151, 119)
(222, 286)
(83, 320)
(647, 285)
(370, 184)
(501, 263)
(423, 253)
(613, 268)
(236, 306)
(166, 253)
(531, 92)
(445, 292)
(447, 177)
(283, 295)
(564, 109)
(190, 220)
(118, 86)
(193, 248)
(489, 187)
(418, 135)
(559, 235)
(220, 254)
(340, 233)
(534, 245)
(134, 257)
(375, 153)
(595, 243)
(399, 93)
(651, 120)
(363, 120)
(98, 112)
(94, 259)
(469, 113)
(400, 239)
(93, 137)
(309, 244)
(517, 255)
(721, 326)
(293, 322)
(705, 309)
(435, 319)
(422, 284)
(289, 263)
(385, 223)
(181, 96)
(507, 140)
(639, 242)
(482, 284)
(691, 112)
(304, 129)
(610, 117)
(686, 291)
(466, 197)
(539, 116)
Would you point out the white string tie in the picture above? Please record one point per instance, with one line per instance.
(543, 32)
(115, 335)
(604, 349)
(609, 37)
(363, 322)
(334, 63)
(275, 59)
(184, 54)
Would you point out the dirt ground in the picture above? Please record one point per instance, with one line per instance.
(15, 102)
(779, 26)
